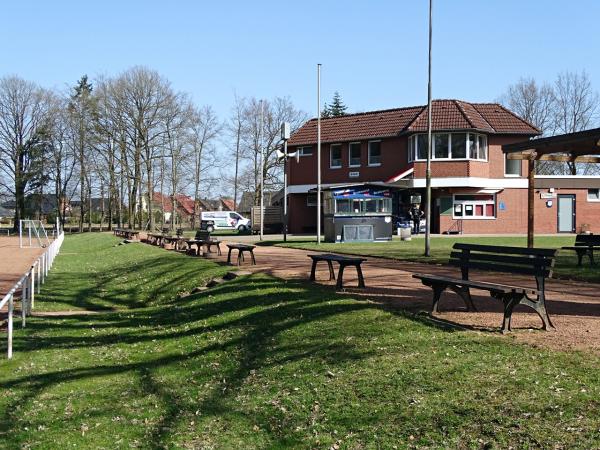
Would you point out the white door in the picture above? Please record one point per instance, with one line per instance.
(566, 213)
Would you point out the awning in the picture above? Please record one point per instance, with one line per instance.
(401, 175)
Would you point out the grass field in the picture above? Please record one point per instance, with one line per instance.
(263, 363)
(566, 262)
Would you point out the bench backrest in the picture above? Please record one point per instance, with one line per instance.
(202, 235)
(537, 262)
(587, 239)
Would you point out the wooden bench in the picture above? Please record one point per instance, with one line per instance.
(343, 261)
(241, 248)
(203, 239)
(175, 241)
(536, 262)
(585, 244)
(154, 239)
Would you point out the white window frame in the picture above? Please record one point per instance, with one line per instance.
(512, 175)
(331, 166)
(369, 154)
(350, 153)
(593, 200)
(413, 151)
(474, 203)
(301, 150)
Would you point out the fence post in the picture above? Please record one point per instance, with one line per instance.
(39, 275)
(32, 286)
(10, 326)
(24, 303)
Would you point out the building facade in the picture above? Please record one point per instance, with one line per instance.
(475, 188)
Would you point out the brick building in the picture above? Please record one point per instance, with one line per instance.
(475, 189)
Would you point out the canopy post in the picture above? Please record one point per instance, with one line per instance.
(531, 199)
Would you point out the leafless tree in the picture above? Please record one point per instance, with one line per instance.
(532, 102)
(24, 127)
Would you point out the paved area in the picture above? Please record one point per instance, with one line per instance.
(14, 262)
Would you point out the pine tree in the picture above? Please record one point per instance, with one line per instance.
(337, 107)
(326, 111)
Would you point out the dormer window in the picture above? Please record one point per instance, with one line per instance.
(448, 146)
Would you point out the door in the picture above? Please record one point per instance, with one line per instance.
(566, 213)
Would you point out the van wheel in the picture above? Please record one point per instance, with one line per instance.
(242, 229)
(210, 228)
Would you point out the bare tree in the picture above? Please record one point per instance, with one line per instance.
(24, 129)
(532, 102)
(204, 129)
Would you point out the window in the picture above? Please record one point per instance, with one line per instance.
(441, 144)
(449, 146)
(512, 167)
(354, 151)
(311, 200)
(480, 206)
(305, 151)
(335, 156)
(374, 153)
(593, 195)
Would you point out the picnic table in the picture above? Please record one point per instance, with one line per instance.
(241, 248)
(155, 238)
(585, 244)
(343, 262)
(536, 262)
(203, 239)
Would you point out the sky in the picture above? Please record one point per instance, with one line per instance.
(373, 52)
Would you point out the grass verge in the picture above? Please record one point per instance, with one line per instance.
(264, 363)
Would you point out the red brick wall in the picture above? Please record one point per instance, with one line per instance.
(300, 216)
(393, 160)
(514, 218)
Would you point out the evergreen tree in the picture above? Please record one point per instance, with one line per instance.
(326, 111)
(337, 107)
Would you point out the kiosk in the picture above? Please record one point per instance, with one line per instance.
(357, 213)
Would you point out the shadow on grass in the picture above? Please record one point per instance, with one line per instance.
(250, 321)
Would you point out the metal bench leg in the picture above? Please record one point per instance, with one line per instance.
(361, 280)
(331, 272)
(465, 294)
(509, 303)
(591, 254)
(339, 284)
(240, 257)
(228, 256)
(539, 306)
(252, 257)
(219, 249)
(579, 257)
(437, 293)
(313, 269)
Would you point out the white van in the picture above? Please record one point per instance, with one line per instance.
(226, 220)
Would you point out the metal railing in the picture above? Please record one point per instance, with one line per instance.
(29, 283)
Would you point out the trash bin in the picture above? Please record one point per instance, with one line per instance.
(404, 231)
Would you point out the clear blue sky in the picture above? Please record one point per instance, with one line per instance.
(373, 52)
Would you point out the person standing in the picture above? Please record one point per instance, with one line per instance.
(416, 214)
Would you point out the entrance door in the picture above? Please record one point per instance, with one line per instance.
(566, 213)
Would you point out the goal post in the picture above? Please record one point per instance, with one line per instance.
(32, 234)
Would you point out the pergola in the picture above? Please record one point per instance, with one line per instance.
(579, 147)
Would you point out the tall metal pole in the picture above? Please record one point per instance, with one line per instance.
(285, 205)
(428, 169)
(262, 172)
(318, 153)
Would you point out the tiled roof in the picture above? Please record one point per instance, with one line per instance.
(185, 204)
(446, 115)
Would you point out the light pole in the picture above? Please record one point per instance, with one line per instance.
(262, 172)
(318, 154)
(285, 135)
(428, 169)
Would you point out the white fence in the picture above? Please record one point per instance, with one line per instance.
(29, 283)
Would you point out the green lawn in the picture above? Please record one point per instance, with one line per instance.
(566, 262)
(263, 363)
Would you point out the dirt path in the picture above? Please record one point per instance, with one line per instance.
(574, 307)
(14, 262)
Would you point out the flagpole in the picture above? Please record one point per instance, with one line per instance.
(318, 153)
(429, 146)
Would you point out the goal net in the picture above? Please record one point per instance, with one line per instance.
(32, 234)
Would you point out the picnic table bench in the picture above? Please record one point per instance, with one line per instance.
(585, 244)
(241, 248)
(203, 239)
(343, 262)
(154, 238)
(536, 262)
(127, 234)
(175, 241)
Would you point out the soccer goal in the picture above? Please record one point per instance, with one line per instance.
(32, 234)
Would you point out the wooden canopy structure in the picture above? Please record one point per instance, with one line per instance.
(579, 147)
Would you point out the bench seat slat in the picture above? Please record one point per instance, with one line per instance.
(483, 285)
